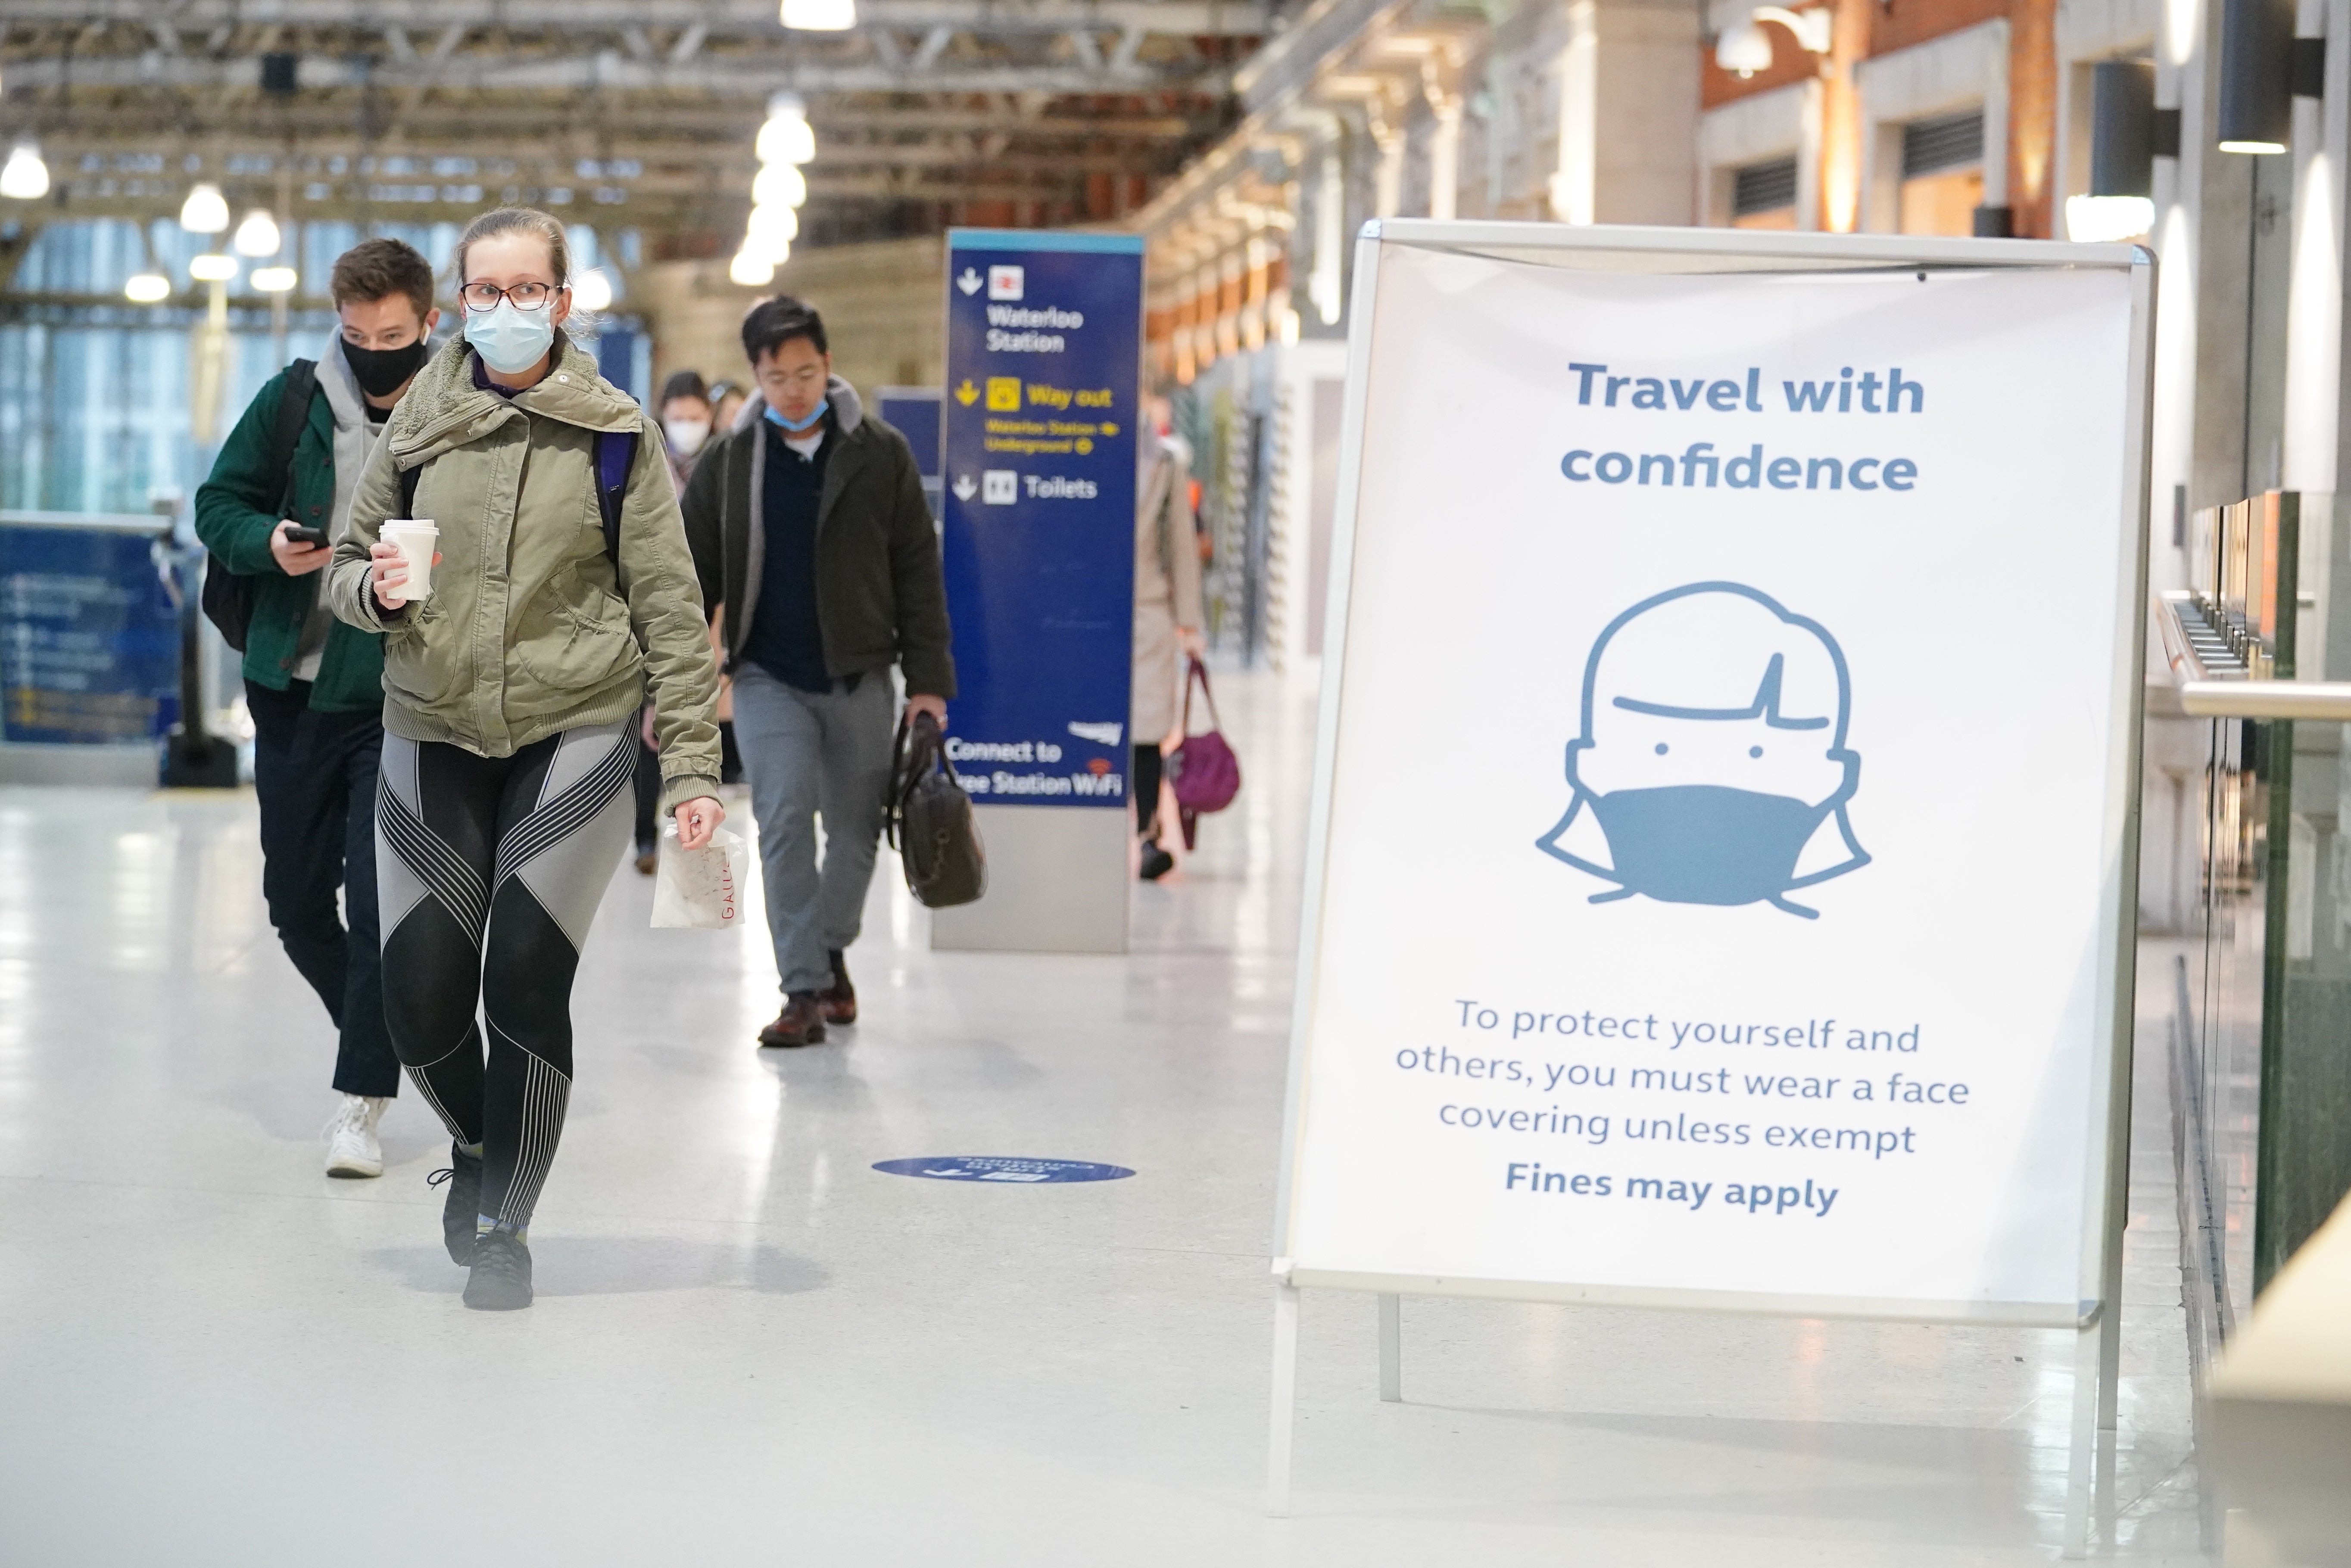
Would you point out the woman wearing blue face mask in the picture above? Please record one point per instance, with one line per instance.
(562, 594)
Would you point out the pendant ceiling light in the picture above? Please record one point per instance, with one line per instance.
(771, 231)
(257, 235)
(751, 269)
(592, 289)
(780, 184)
(204, 211)
(147, 288)
(24, 178)
(821, 16)
(786, 137)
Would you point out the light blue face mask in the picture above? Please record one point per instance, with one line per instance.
(510, 341)
(801, 427)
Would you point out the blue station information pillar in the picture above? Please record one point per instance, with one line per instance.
(1044, 351)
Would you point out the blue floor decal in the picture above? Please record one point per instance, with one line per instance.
(994, 1168)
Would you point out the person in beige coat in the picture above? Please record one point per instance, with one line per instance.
(1167, 621)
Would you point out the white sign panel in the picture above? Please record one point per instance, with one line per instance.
(1723, 810)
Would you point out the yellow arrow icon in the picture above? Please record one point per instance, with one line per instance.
(966, 394)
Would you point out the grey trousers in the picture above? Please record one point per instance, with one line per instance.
(808, 754)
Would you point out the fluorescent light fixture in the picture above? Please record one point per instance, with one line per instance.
(24, 178)
(786, 137)
(780, 184)
(592, 289)
(1744, 49)
(2097, 219)
(204, 211)
(213, 266)
(2258, 149)
(751, 269)
(819, 15)
(147, 288)
(274, 279)
(257, 235)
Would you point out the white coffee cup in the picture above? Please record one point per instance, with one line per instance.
(416, 538)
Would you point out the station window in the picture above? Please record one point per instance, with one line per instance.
(1942, 173)
(1764, 195)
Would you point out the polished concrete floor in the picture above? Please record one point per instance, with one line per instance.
(750, 1346)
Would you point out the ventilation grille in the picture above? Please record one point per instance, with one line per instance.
(1763, 187)
(1947, 141)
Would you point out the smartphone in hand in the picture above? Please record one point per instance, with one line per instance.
(309, 538)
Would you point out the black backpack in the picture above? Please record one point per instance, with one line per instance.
(227, 597)
(930, 820)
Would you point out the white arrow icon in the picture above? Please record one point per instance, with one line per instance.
(970, 280)
(963, 488)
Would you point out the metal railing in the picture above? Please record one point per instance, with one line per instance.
(2222, 673)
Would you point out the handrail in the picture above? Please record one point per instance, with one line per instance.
(2212, 678)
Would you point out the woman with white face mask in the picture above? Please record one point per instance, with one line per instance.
(686, 421)
(561, 593)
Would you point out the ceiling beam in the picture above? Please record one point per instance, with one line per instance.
(756, 18)
(608, 72)
(658, 162)
(464, 130)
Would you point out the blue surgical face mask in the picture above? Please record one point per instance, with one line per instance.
(801, 427)
(511, 341)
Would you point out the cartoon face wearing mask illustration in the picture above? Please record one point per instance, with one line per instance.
(1713, 768)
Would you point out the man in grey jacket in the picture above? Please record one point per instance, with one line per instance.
(818, 556)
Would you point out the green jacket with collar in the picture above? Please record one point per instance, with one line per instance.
(530, 630)
(237, 510)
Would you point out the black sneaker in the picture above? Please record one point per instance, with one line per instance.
(1156, 862)
(464, 1202)
(501, 1278)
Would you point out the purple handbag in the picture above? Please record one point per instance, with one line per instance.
(1202, 770)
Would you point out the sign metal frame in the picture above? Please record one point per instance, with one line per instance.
(2095, 1317)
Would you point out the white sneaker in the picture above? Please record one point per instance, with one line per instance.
(351, 1146)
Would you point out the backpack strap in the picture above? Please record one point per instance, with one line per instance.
(293, 413)
(616, 455)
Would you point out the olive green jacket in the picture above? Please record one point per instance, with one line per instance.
(528, 630)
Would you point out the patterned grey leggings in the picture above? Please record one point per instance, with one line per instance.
(488, 872)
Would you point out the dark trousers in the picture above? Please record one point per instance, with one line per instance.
(315, 777)
(1149, 769)
(649, 788)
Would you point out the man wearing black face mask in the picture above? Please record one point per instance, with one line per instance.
(314, 684)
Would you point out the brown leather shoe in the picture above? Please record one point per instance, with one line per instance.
(838, 1000)
(802, 1023)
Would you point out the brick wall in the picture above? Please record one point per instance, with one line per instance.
(1867, 28)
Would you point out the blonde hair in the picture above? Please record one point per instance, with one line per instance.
(515, 221)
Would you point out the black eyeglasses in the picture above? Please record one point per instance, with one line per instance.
(526, 295)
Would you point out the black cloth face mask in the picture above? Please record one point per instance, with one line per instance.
(384, 371)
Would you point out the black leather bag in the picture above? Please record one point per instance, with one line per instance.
(930, 820)
(227, 597)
